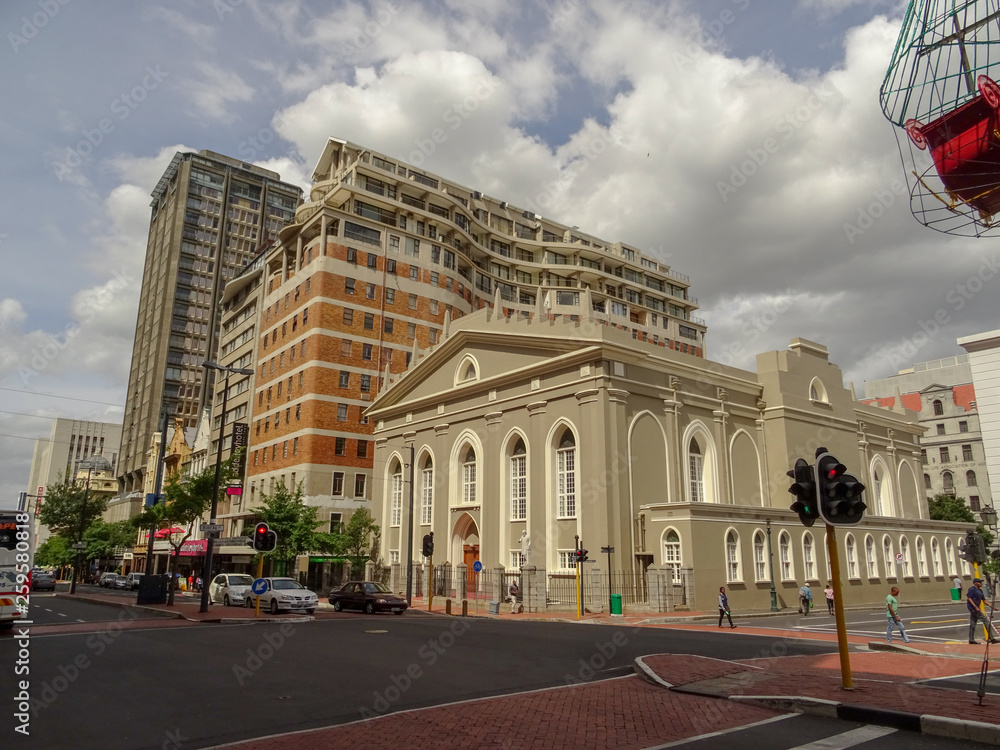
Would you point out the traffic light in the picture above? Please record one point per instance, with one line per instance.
(428, 544)
(837, 492)
(978, 547)
(804, 489)
(966, 548)
(581, 555)
(264, 540)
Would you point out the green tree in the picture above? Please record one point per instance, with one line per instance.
(952, 508)
(295, 525)
(186, 498)
(54, 552)
(104, 539)
(68, 509)
(359, 542)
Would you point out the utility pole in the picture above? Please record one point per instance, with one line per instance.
(409, 540)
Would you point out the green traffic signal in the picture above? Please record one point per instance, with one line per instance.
(804, 489)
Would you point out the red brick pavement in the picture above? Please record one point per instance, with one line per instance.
(619, 713)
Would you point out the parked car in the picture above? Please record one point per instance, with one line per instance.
(230, 588)
(369, 596)
(121, 582)
(107, 580)
(284, 594)
(42, 580)
(132, 581)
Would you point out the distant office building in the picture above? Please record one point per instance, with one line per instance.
(952, 452)
(59, 455)
(210, 216)
(984, 359)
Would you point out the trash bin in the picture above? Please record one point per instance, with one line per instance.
(152, 590)
(956, 595)
(616, 604)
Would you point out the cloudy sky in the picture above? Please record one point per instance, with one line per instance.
(740, 141)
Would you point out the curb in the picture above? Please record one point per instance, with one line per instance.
(646, 673)
(124, 604)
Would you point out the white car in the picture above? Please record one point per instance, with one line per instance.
(284, 594)
(229, 588)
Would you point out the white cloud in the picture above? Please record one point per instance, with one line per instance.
(213, 94)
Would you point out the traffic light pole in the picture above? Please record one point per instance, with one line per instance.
(260, 574)
(409, 540)
(845, 657)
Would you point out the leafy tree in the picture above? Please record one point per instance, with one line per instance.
(360, 541)
(952, 508)
(55, 552)
(104, 539)
(68, 509)
(294, 523)
(185, 501)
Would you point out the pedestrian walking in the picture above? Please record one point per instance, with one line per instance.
(892, 617)
(956, 583)
(513, 591)
(973, 599)
(197, 583)
(724, 607)
(805, 599)
(828, 591)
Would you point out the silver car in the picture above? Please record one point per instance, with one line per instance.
(229, 588)
(284, 594)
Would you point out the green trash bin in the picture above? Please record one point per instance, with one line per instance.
(616, 604)
(956, 595)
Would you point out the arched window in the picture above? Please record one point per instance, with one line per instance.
(427, 491)
(734, 567)
(936, 557)
(963, 565)
(949, 553)
(949, 481)
(519, 482)
(970, 478)
(808, 557)
(470, 372)
(870, 560)
(817, 391)
(672, 554)
(888, 557)
(904, 550)
(469, 476)
(566, 476)
(938, 408)
(852, 556)
(785, 556)
(396, 496)
(759, 557)
(921, 557)
(696, 470)
(927, 481)
(877, 492)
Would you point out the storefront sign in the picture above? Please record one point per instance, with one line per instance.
(194, 548)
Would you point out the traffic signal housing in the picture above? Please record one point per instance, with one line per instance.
(428, 549)
(838, 494)
(264, 540)
(974, 549)
(804, 489)
(581, 555)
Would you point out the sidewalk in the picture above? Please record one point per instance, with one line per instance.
(186, 606)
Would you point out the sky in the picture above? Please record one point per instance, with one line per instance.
(739, 141)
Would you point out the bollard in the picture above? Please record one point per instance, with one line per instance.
(447, 606)
(465, 608)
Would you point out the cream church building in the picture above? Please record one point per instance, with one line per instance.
(554, 425)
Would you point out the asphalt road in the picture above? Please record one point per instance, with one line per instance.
(790, 732)
(126, 689)
(48, 609)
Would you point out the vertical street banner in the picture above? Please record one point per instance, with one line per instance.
(241, 439)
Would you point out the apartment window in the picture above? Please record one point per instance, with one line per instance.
(298, 411)
(411, 330)
(966, 452)
(362, 449)
(927, 481)
(352, 255)
(338, 483)
(345, 379)
(390, 266)
(345, 348)
(359, 485)
(974, 503)
(963, 426)
(938, 408)
(348, 317)
(390, 296)
(434, 307)
(336, 522)
(435, 278)
(944, 455)
(366, 383)
(923, 456)
(340, 446)
(940, 429)
(970, 479)
(366, 351)
(349, 286)
(412, 302)
(369, 291)
(948, 482)
(341, 412)
(369, 321)
(295, 447)
(388, 325)
(393, 244)
(432, 335)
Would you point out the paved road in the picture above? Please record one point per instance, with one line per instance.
(791, 732)
(222, 683)
(48, 609)
(928, 623)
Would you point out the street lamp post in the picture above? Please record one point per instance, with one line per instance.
(770, 567)
(206, 573)
(101, 464)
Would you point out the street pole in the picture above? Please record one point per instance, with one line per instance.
(206, 574)
(579, 606)
(157, 489)
(845, 656)
(409, 540)
(770, 567)
(79, 538)
(611, 590)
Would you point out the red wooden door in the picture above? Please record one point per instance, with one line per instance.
(471, 554)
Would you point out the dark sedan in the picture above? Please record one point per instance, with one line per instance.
(42, 581)
(368, 596)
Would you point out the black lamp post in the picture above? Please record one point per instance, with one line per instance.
(206, 573)
(770, 567)
(101, 464)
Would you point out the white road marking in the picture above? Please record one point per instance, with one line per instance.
(847, 739)
(686, 741)
(60, 614)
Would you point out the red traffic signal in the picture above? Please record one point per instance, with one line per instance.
(264, 540)
(839, 494)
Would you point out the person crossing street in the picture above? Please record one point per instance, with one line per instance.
(973, 599)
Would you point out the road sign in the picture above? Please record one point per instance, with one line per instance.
(899, 558)
(259, 586)
(234, 490)
(211, 528)
(477, 566)
(79, 545)
(607, 550)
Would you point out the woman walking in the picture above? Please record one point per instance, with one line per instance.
(828, 591)
(724, 607)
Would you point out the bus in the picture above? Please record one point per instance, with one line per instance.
(15, 566)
